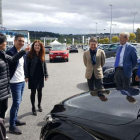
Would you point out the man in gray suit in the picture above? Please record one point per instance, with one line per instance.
(126, 60)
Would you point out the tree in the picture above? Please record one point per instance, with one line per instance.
(101, 41)
(106, 40)
(132, 36)
(69, 41)
(138, 35)
(115, 39)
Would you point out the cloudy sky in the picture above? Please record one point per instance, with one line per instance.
(71, 16)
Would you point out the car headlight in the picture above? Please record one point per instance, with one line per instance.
(51, 53)
(65, 52)
(109, 71)
(49, 118)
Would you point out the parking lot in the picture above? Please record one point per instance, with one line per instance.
(65, 79)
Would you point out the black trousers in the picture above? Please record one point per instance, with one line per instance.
(2, 130)
(120, 79)
(3, 107)
(94, 83)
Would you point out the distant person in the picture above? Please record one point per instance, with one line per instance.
(126, 60)
(36, 73)
(17, 83)
(4, 74)
(94, 60)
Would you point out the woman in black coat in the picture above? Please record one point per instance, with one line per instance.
(4, 74)
(36, 72)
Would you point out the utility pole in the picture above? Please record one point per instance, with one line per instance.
(134, 13)
(111, 21)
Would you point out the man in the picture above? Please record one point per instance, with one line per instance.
(94, 60)
(126, 60)
(17, 83)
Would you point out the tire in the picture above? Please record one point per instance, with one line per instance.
(67, 60)
(51, 60)
(60, 137)
(77, 51)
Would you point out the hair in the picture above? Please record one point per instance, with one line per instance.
(32, 52)
(2, 38)
(93, 39)
(125, 34)
(18, 35)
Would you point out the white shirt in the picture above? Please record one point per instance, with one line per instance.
(121, 55)
(19, 73)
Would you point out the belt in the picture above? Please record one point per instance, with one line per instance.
(119, 67)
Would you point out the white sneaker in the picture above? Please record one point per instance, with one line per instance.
(6, 138)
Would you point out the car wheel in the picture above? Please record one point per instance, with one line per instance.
(77, 51)
(51, 60)
(60, 137)
(67, 60)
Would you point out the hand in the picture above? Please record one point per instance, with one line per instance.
(27, 48)
(46, 79)
(136, 78)
(26, 80)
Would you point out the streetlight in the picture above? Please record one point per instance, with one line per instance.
(111, 21)
(104, 33)
(96, 29)
(113, 28)
(134, 19)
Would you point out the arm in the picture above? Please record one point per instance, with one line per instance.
(11, 59)
(84, 59)
(45, 70)
(102, 58)
(134, 57)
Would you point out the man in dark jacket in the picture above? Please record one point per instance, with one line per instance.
(4, 74)
(17, 83)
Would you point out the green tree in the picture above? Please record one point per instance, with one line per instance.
(115, 39)
(132, 36)
(138, 35)
(106, 40)
(69, 41)
(101, 41)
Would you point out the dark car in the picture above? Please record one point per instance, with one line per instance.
(87, 117)
(73, 48)
(110, 51)
(109, 71)
(47, 49)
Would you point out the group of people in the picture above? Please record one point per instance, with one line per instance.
(16, 67)
(126, 60)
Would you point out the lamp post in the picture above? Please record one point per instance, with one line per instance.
(96, 29)
(111, 21)
(104, 33)
(113, 28)
(134, 13)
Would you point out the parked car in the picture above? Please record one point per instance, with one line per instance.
(135, 44)
(59, 52)
(73, 48)
(103, 46)
(47, 49)
(86, 117)
(109, 71)
(86, 47)
(110, 51)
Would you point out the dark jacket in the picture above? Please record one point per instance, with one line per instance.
(14, 65)
(4, 72)
(31, 65)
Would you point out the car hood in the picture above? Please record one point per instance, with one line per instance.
(59, 51)
(117, 110)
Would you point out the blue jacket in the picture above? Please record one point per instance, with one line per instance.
(138, 72)
(129, 59)
(13, 66)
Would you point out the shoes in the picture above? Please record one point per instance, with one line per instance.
(40, 108)
(15, 130)
(102, 97)
(34, 111)
(6, 138)
(19, 123)
(131, 99)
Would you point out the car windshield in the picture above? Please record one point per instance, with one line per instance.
(58, 48)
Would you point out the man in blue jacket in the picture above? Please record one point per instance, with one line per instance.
(17, 83)
(126, 60)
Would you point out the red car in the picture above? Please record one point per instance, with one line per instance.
(59, 52)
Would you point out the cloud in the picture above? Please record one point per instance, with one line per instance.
(70, 16)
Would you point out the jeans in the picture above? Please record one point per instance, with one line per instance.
(17, 92)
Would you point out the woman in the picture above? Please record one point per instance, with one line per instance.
(36, 72)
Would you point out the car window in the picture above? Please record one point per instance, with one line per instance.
(58, 48)
(113, 47)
